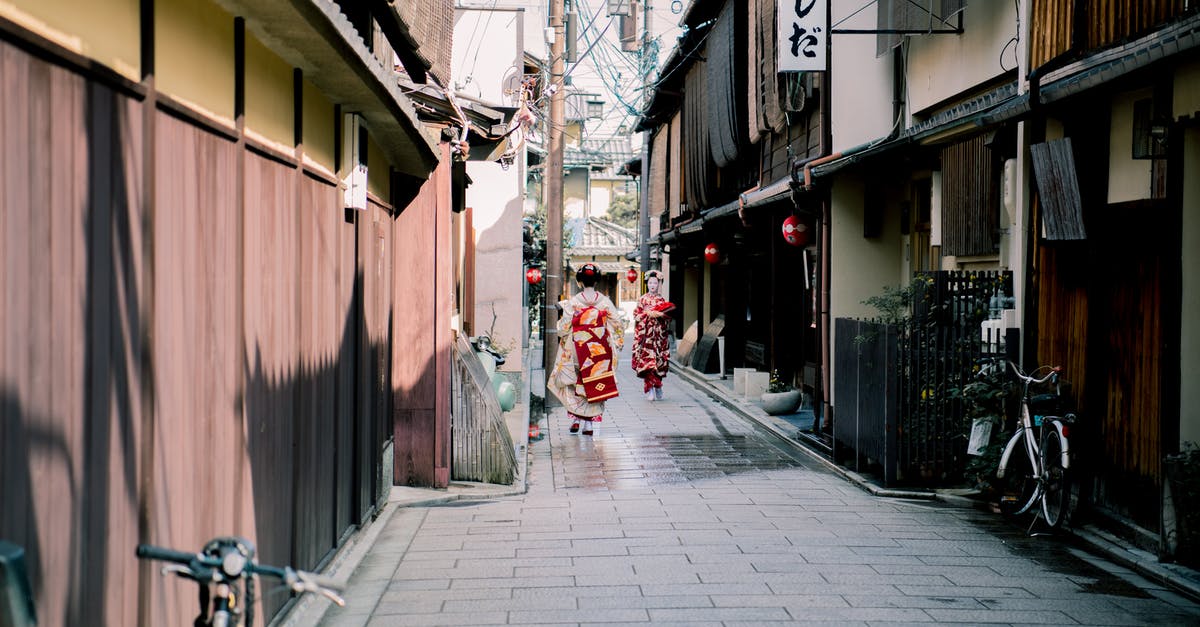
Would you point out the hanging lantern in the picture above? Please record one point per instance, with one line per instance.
(712, 254)
(631, 274)
(795, 232)
(533, 275)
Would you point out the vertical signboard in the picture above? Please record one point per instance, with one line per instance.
(803, 28)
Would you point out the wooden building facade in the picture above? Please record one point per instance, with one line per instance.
(197, 333)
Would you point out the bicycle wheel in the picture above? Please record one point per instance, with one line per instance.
(1019, 488)
(1056, 484)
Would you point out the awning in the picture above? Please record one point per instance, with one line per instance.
(995, 107)
(1005, 104)
(1121, 60)
(607, 267)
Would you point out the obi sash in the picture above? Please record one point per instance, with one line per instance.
(593, 354)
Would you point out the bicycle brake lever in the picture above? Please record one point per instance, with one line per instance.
(333, 596)
(178, 569)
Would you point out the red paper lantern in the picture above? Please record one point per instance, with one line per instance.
(712, 254)
(533, 275)
(795, 232)
(631, 274)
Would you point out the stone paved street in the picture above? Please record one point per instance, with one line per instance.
(681, 512)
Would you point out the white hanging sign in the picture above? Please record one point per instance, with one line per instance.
(802, 28)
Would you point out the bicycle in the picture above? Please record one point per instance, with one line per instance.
(1042, 474)
(224, 570)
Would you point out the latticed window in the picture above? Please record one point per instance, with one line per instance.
(970, 198)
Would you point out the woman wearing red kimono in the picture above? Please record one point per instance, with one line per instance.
(651, 353)
(591, 334)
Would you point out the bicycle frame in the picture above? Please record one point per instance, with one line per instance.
(1047, 480)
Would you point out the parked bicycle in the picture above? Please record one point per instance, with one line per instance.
(1037, 460)
(224, 570)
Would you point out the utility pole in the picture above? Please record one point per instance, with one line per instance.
(554, 192)
(644, 205)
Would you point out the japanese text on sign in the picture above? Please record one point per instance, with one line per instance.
(802, 27)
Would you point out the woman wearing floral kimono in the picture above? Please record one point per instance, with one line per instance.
(650, 349)
(591, 334)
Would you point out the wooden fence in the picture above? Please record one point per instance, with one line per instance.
(482, 448)
(898, 413)
(940, 349)
(865, 430)
(189, 345)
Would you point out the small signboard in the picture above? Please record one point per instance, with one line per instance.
(803, 32)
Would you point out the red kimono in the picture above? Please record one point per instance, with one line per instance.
(651, 353)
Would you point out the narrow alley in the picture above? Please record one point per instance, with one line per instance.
(681, 512)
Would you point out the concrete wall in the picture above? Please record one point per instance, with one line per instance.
(497, 203)
(488, 57)
(194, 55)
(861, 267)
(379, 180)
(942, 66)
(575, 193)
(270, 96)
(318, 129)
(104, 31)
(861, 90)
(1128, 178)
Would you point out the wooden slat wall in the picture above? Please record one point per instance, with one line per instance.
(70, 321)
(272, 335)
(1050, 30)
(348, 317)
(1058, 189)
(249, 321)
(323, 306)
(970, 199)
(1101, 316)
(421, 371)
(1110, 21)
(1063, 317)
(1104, 22)
(199, 466)
(375, 364)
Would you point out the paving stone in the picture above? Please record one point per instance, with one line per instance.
(682, 512)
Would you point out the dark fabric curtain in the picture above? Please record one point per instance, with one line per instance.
(726, 85)
(698, 158)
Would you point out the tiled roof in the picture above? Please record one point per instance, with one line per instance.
(594, 236)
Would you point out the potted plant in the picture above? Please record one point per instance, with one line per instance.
(1181, 506)
(780, 397)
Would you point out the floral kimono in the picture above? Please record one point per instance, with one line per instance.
(650, 348)
(591, 333)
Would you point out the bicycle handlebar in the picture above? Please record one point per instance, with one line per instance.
(1054, 370)
(201, 568)
(151, 552)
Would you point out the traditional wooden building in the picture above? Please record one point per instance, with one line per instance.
(217, 217)
(727, 130)
(1053, 141)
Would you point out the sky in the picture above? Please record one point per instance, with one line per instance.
(602, 67)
